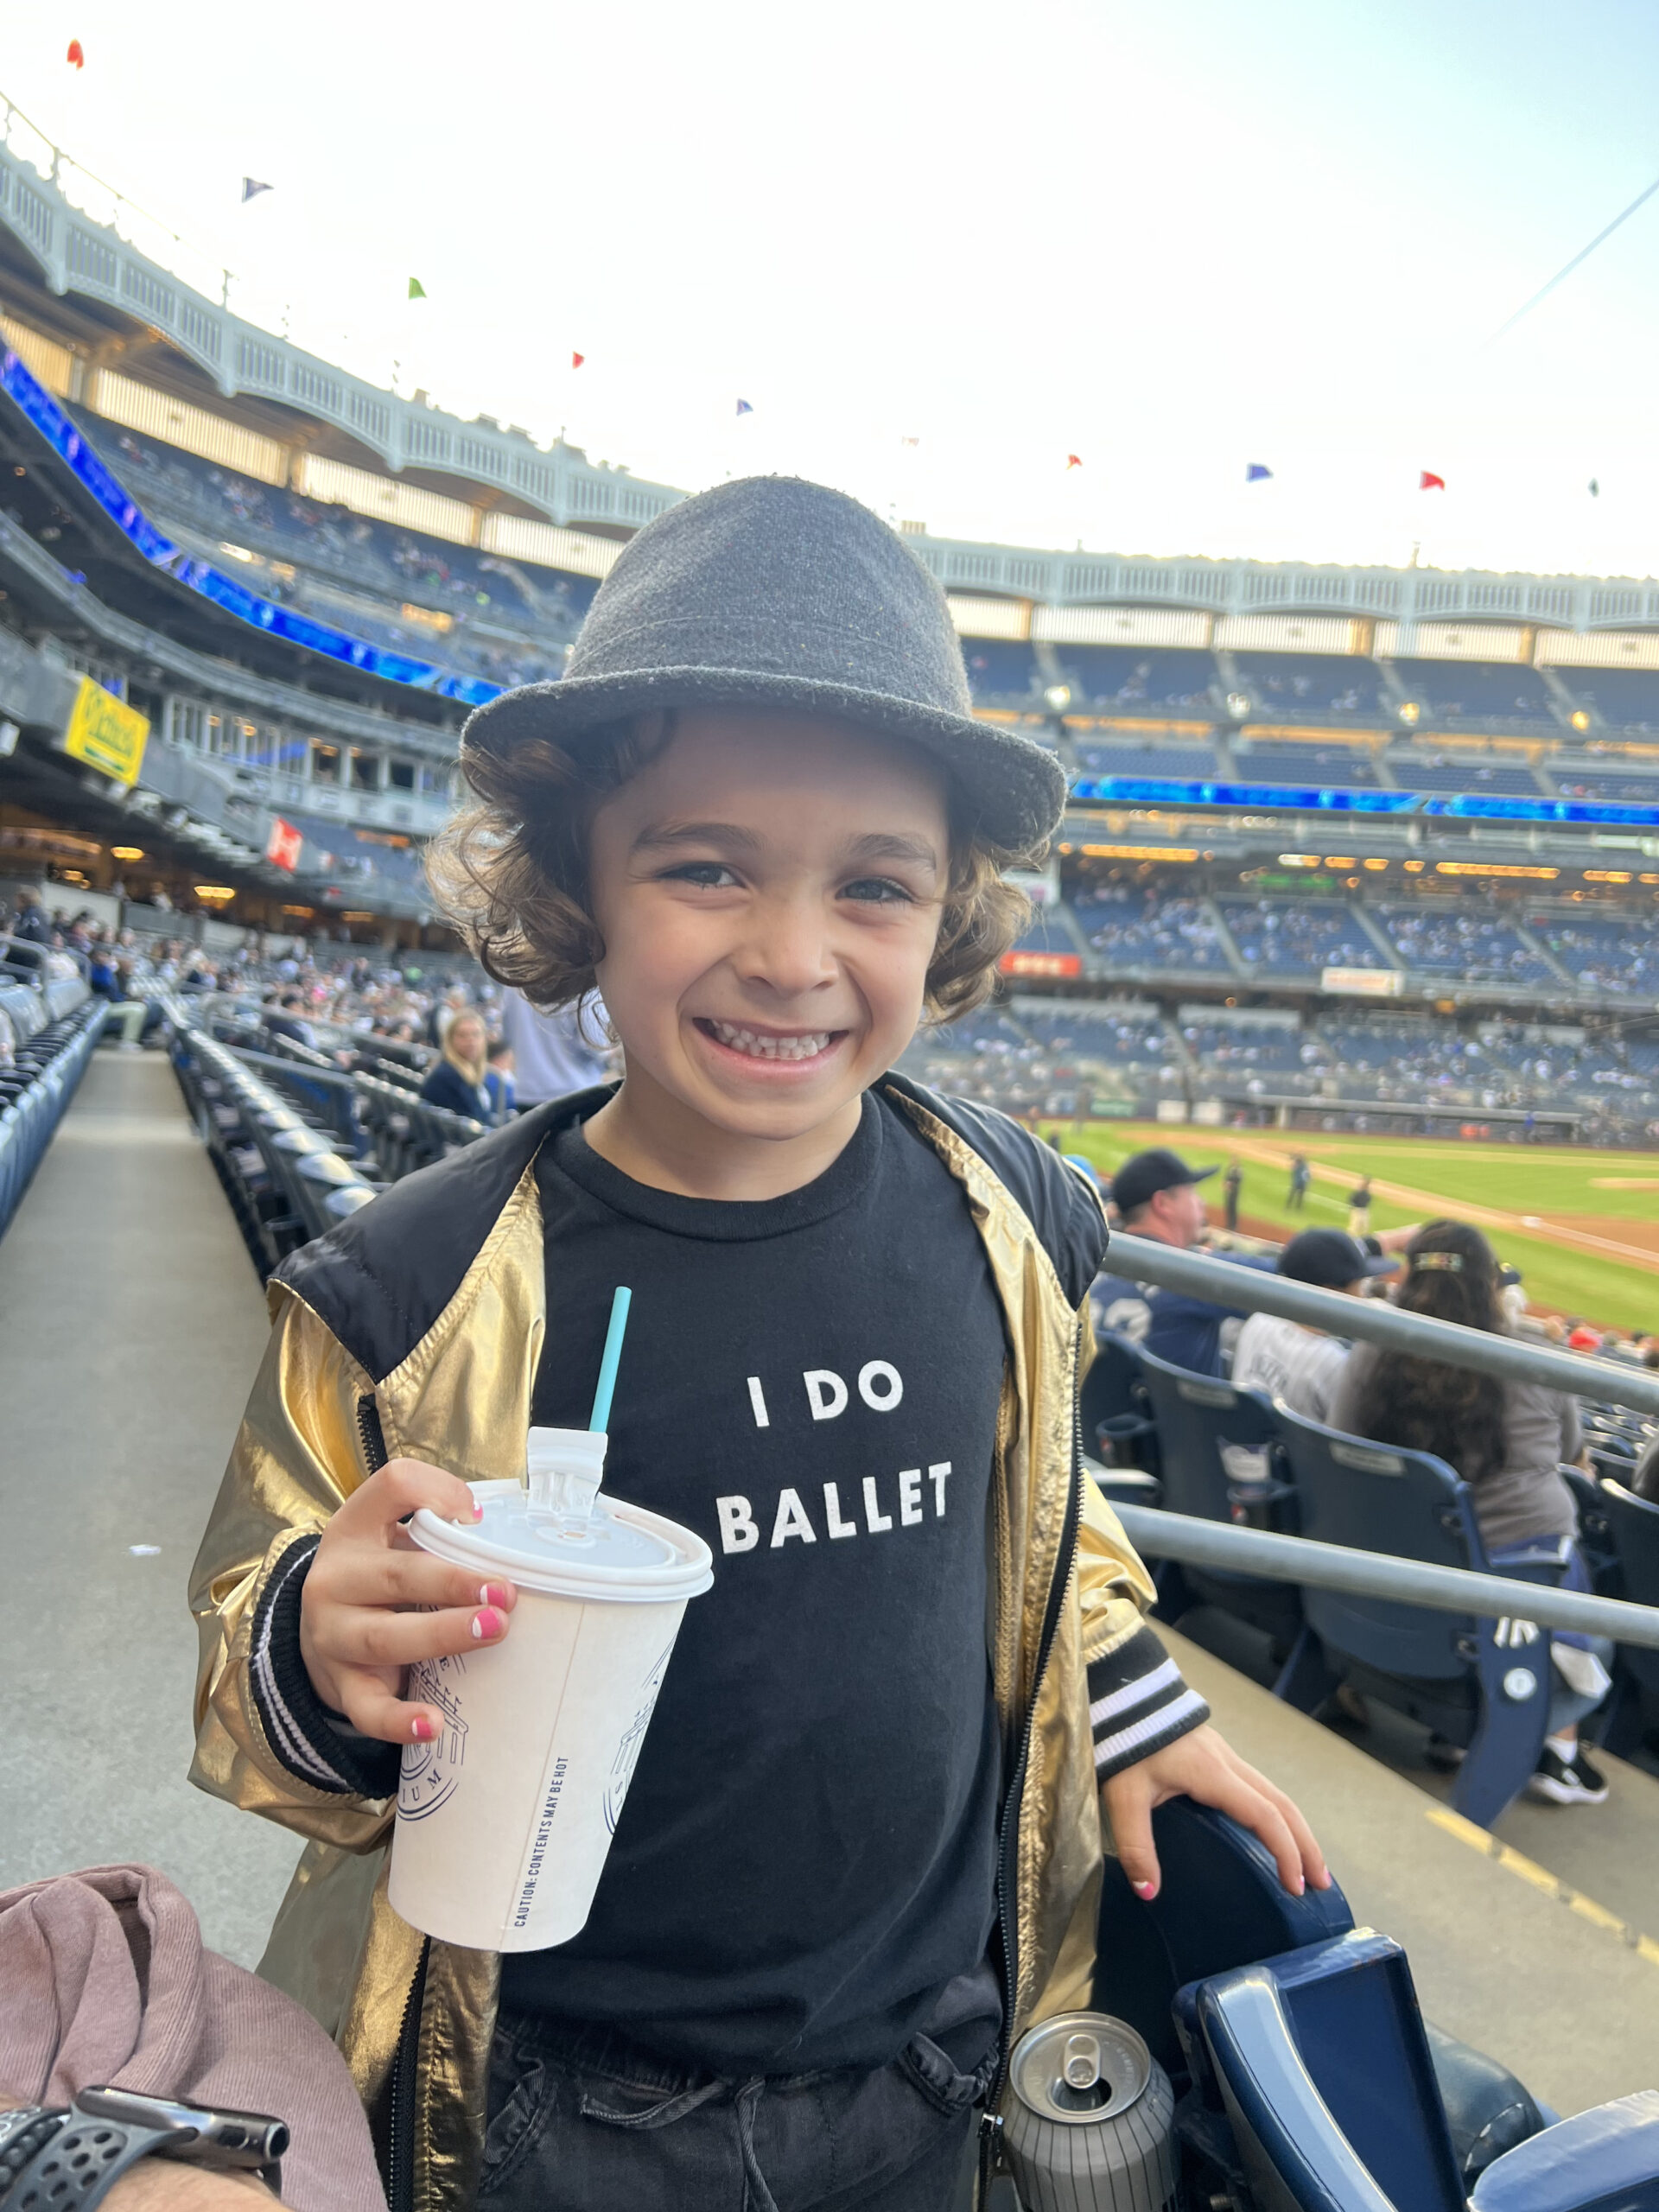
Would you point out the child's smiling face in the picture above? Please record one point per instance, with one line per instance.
(769, 890)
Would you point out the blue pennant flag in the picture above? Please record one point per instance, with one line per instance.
(251, 188)
(744, 408)
(1253, 471)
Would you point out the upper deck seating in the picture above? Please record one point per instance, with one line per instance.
(1503, 695)
(1166, 683)
(1319, 767)
(1312, 687)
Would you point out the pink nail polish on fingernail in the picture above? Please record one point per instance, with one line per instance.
(422, 1729)
(1301, 1885)
(1144, 1889)
(487, 1622)
(478, 1510)
(492, 1593)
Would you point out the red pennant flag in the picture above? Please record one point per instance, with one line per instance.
(576, 360)
(1428, 481)
(1074, 460)
(76, 56)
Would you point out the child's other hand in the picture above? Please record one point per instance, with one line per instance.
(374, 1602)
(1204, 1766)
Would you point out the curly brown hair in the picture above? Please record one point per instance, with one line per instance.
(511, 871)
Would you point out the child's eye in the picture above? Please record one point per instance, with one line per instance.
(709, 875)
(876, 890)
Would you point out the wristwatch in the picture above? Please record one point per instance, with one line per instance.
(54, 2159)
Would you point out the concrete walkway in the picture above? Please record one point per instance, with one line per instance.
(1500, 1956)
(131, 1323)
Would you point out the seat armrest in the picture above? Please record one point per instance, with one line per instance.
(1602, 2160)
(1123, 1485)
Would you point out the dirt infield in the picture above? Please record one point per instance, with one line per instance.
(1643, 1234)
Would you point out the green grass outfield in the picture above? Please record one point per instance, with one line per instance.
(1546, 1182)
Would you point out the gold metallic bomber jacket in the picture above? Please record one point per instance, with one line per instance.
(415, 1329)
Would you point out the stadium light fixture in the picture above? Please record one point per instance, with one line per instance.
(1410, 712)
(126, 852)
(1580, 720)
(215, 894)
(1057, 698)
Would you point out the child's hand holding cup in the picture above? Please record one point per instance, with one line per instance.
(374, 1602)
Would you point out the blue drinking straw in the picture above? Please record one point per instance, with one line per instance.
(608, 1366)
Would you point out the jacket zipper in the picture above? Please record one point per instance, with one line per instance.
(372, 1436)
(1008, 1844)
(400, 2117)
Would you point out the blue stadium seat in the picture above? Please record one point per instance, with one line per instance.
(1482, 1685)
(1114, 1407)
(1136, 681)
(1631, 1526)
(1217, 1459)
(1317, 2091)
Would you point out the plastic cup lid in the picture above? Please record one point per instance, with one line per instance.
(625, 1555)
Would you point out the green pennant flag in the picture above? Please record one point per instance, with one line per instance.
(417, 289)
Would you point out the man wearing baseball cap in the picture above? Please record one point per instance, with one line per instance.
(1155, 1195)
(1298, 1366)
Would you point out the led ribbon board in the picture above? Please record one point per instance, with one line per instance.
(48, 419)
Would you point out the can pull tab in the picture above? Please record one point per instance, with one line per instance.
(1080, 2064)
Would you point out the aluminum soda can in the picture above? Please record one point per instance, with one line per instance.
(1088, 2123)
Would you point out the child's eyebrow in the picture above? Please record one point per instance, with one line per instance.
(884, 845)
(659, 836)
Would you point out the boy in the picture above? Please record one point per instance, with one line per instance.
(859, 1850)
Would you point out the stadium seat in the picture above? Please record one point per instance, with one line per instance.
(1482, 1685)
(1632, 1525)
(1217, 1454)
(1221, 1907)
(1114, 1407)
(1317, 2091)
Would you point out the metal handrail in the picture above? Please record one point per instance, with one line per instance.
(1221, 1544)
(1223, 1282)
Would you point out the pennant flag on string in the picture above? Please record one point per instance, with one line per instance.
(417, 289)
(1255, 473)
(910, 442)
(577, 360)
(744, 408)
(76, 56)
(1595, 489)
(1074, 460)
(251, 188)
(1428, 481)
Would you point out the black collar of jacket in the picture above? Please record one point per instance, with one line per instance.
(381, 1280)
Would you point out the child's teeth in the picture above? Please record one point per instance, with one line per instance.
(770, 1048)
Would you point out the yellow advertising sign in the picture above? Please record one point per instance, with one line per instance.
(106, 733)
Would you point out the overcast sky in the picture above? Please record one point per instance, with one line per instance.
(1174, 238)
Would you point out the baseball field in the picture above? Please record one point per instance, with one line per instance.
(1583, 1227)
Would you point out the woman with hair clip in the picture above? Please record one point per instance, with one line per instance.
(1507, 1440)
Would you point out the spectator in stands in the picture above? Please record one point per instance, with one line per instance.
(456, 1081)
(1288, 1359)
(30, 922)
(497, 1081)
(1507, 1440)
(553, 1054)
(444, 1011)
(287, 1018)
(1155, 1195)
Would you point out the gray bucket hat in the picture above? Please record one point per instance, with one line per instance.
(772, 592)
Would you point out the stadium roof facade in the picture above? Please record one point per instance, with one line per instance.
(56, 247)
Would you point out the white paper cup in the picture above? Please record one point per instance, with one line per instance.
(504, 1823)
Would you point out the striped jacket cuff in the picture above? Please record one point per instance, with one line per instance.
(1138, 1703)
(309, 1738)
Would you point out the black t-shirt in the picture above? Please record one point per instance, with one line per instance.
(806, 1855)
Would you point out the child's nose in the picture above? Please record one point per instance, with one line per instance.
(789, 948)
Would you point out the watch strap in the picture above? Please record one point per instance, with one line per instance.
(66, 2162)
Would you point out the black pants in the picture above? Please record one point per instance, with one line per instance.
(583, 2121)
